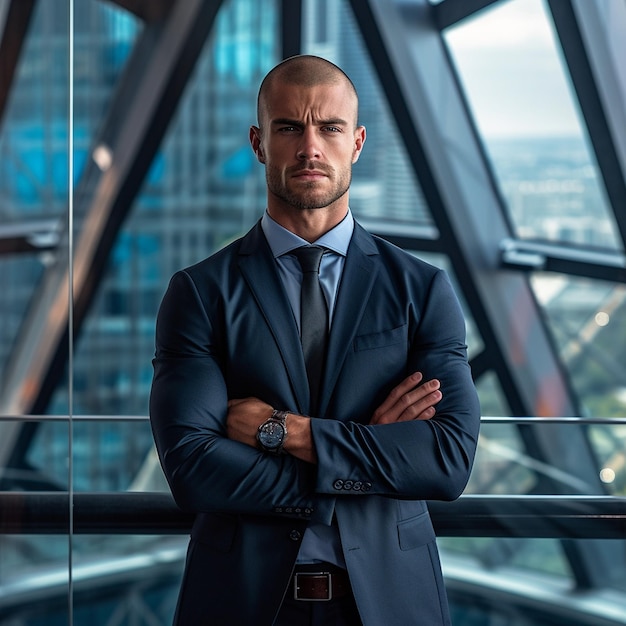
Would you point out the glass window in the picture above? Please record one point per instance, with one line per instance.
(19, 274)
(205, 188)
(34, 191)
(384, 187)
(588, 322)
(510, 65)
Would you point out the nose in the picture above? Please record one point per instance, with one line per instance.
(309, 145)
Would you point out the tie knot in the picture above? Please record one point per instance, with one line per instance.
(309, 258)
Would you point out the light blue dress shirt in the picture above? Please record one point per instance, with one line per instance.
(283, 241)
(320, 542)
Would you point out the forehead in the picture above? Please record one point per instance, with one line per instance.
(323, 101)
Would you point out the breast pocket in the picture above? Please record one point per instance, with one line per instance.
(380, 339)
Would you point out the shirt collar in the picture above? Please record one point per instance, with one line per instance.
(282, 241)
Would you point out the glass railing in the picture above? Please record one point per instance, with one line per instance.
(528, 533)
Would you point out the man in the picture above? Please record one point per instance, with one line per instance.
(309, 486)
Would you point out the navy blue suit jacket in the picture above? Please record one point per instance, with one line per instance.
(225, 330)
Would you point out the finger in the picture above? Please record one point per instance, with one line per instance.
(422, 391)
(411, 404)
(410, 382)
(422, 409)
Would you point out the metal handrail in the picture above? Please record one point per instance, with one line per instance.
(591, 421)
(555, 516)
(564, 517)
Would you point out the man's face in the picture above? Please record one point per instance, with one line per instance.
(308, 143)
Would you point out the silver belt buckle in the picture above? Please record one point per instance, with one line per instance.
(329, 584)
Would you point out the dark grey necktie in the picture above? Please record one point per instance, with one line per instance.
(313, 319)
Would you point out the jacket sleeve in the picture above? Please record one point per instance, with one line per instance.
(425, 460)
(206, 471)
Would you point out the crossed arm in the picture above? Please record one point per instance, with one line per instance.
(198, 428)
(412, 399)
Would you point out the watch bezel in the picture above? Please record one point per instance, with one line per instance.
(278, 418)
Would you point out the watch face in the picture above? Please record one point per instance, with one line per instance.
(271, 435)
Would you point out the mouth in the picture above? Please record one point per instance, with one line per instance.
(309, 175)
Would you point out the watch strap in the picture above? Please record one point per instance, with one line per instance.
(281, 416)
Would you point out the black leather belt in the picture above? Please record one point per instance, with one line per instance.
(320, 583)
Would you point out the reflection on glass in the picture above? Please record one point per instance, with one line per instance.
(33, 180)
(502, 465)
(493, 400)
(127, 579)
(19, 275)
(588, 322)
(609, 445)
(526, 582)
(204, 188)
(529, 555)
(32, 566)
(511, 460)
(29, 562)
(33, 137)
(108, 456)
(510, 65)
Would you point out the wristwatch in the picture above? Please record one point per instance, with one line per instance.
(272, 433)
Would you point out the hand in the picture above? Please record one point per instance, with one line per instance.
(245, 415)
(410, 400)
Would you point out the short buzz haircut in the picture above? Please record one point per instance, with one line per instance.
(304, 70)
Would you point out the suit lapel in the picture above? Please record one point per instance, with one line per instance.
(359, 274)
(258, 269)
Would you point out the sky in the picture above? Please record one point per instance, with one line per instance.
(513, 72)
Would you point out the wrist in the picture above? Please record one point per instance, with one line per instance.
(300, 441)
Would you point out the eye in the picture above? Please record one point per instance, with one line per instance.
(288, 129)
(332, 129)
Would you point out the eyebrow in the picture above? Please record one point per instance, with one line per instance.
(331, 122)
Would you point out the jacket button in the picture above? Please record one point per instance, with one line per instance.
(338, 484)
(348, 484)
(295, 535)
(358, 485)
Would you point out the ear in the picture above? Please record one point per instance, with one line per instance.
(359, 140)
(255, 142)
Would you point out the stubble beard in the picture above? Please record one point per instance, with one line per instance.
(308, 196)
